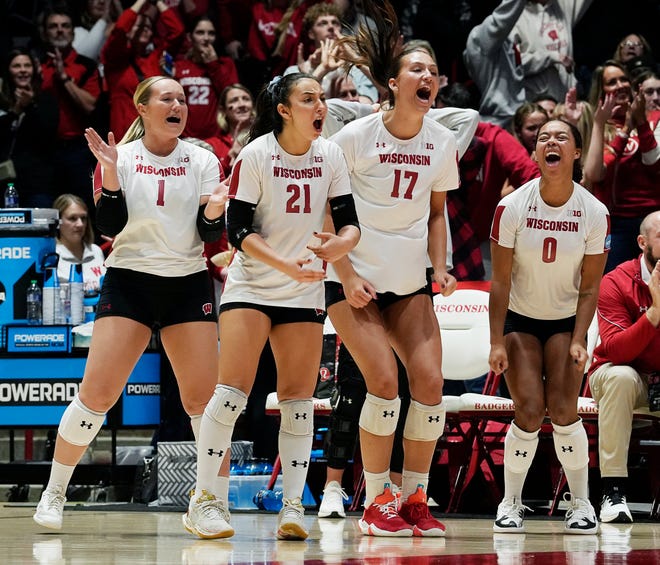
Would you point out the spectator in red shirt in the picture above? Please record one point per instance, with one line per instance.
(203, 76)
(626, 362)
(133, 53)
(234, 18)
(273, 38)
(74, 81)
(235, 119)
(623, 163)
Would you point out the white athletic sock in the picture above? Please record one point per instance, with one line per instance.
(411, 481)
(60, 475)
(213, 442)
(221, 488)
(572, 448)
(374, 484)
(195, 423)
(295, 452)
(519, 450)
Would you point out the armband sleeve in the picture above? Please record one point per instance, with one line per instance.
(111, 212)
(209, 230)
(240, 215)
(342, 210)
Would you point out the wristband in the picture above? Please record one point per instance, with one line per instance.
(111, 193)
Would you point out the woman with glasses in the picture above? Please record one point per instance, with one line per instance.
(635, 53)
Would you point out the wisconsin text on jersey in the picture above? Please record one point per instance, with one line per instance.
(552, 225)
(160, 171)
(307, 173)
(405, 159)
(189, 81)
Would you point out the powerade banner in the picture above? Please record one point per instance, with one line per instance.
(35, 391)
(15, 216)
(32, 339)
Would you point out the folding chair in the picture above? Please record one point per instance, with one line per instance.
(464, 326)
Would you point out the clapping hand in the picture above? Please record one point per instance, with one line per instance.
(105, 153)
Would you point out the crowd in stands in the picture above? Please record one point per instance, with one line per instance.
(70, 65)
(67, 65)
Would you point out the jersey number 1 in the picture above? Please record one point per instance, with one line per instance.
(160, 201)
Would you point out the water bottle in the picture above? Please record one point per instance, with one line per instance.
(11, 196)
(33, 303)
(52, 306)
(270, 500)
(76, 294)
(90, 300)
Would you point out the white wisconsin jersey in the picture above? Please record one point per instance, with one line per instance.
(290, 193)
(392, 181)
(549, 246)
(162, 196)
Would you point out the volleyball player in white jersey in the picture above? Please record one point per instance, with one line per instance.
(549, 242)
(280, 188)
(160, 197)
(401, 163)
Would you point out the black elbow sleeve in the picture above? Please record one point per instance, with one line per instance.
(111, 212)
(342, 210)
(209, 230)
(240, 215)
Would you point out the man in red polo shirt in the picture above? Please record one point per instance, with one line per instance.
(74, 81)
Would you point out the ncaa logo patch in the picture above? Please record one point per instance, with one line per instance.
(207, 308)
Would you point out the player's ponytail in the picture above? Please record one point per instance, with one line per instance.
(276, 92)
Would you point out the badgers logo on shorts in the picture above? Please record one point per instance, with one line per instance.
(207, 308)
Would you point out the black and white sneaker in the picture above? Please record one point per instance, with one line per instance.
(613, 508)
(510, 516)
(580, 516)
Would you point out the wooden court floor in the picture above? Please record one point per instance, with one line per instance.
(112, 535)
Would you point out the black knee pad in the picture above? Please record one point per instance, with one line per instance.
(343, 427)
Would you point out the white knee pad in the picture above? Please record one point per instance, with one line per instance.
(571, 445)
(226, 405)
(424, 422)
(297, 417)
(379, 416)
(79, 425)
(519, 448)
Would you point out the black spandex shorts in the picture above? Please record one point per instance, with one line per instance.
(334, 292)
(280, 314)
(156, 301)
(543, 330)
